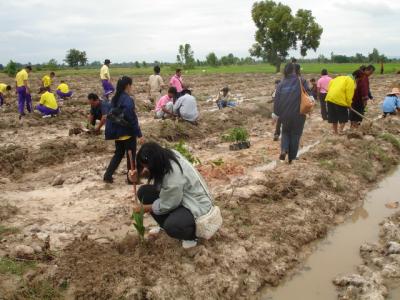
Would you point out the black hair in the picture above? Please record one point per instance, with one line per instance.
(225, 89)
(324, 72)
(297, 69)
(52, 74)
(362, 68)
(8, 87)
(157, 69)
(28, 68)
(107, 62)
(186, 91)
(62, 81)
(172, 90)
(312, 80)
(288, 70)
(358, 73)
(157, 159)
(178, 70)
(121, 86)
(293, 60)
(370, 68)
(278, 81)
(44, 89)
(93, 97)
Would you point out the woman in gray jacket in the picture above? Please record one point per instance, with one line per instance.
(177, 195)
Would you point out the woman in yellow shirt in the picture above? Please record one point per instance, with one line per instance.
(63, 90)
(47, 106)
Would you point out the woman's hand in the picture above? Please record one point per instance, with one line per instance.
(133, 176)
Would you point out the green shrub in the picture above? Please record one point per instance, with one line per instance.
(237, 134)
(138, 222)
(182, 148)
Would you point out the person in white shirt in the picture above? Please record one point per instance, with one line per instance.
(156, 85)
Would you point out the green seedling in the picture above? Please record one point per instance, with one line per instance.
(218, 162)
(182, 148)
(237, 134)
(138, 218)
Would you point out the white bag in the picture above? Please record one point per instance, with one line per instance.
(208, 224)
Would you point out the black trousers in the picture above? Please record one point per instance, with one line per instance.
(121, 148)
(178, 224)
(324, 107)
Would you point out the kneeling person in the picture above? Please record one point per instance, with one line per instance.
(178, 195)
(48, 104)
(63, 90)
(391, 103)
(98, 111)
(186, 107)
(165, 105)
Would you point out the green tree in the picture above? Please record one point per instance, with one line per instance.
(212, 59)
(52, 64)
(185, 56)
(137, 64)
(11, 68)
(144, 64)
(376, 57)
(278, 31)
(75, 58)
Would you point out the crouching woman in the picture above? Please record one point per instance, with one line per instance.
(177, 195)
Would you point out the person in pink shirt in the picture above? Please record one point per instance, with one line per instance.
(164, 106)
(322, 90)
(177, 82)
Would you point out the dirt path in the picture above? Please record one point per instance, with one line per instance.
(270, 214)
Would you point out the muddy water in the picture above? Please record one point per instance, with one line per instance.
(339, 252)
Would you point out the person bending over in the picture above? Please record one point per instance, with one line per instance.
(176, 194)
(391, 103)
(47, 80)
(98, 111)
(4, 90)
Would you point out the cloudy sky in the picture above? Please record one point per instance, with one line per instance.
(129, 30)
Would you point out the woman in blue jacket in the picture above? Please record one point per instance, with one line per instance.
(287, 107)
(124, 132)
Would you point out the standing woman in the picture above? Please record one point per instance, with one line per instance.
(178, 194)
(124, 131)
(287, 107)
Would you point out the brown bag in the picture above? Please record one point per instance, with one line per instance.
(307, 102)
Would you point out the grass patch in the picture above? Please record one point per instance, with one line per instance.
(391, 139)
(307, 68)
(10, 266)
(330, 165)
(8, 230)
(41, 290)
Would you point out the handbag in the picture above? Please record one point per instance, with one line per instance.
(207, 225)
(307, 102)
(117, 116)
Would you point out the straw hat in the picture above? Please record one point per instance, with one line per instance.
(395, 91)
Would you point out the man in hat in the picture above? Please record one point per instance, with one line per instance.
(391, 103)
(106, 79)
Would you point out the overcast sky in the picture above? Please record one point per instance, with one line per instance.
(129, 30)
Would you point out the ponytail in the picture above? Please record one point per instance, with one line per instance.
(121, 86)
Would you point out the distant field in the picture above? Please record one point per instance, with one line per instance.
(260, 68)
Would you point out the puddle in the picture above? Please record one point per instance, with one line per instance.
(339, 252)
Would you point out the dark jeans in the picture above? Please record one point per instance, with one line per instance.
(178, 223)
(121, 148)
(324, 108)
(291, 133)
(278, 128)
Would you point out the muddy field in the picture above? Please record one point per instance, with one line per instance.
(66, 234)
